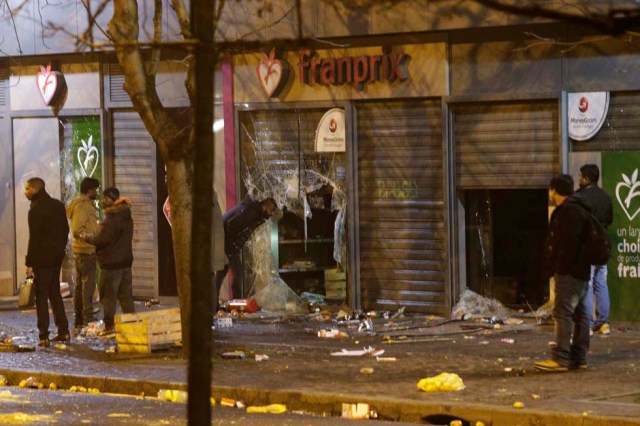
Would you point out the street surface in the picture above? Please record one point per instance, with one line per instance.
(33, 406)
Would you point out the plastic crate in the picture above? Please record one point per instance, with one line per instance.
(148, 331)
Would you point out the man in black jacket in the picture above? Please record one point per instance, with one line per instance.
(239, 223)
(114, 248)
(600, 203)
(565, 246)
(48, 235)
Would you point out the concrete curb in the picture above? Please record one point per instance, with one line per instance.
(321, 403)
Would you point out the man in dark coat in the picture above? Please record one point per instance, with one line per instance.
(239, 223)
(566, 247)
(114, 248)
(600, 203)
(48, 236)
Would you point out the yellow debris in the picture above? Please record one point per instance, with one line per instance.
(441, 382)
(272, 409)
(518, 404)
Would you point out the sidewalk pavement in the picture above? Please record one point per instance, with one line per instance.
(496, 366)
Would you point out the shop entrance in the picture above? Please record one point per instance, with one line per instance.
(504, 238)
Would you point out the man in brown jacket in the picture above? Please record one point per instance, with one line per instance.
(83, 218)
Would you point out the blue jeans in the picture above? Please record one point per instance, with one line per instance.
(572, 321)
(116, 286)
(598, 288)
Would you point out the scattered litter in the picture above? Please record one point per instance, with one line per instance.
(365, 325)
(119, 415)
(474, 304)
(261, 357)
(61, 347)
(3, 380)
(244, 305)
(173, 395)
(333, 333)
(93, 329)
(224, 322)
(31, 382)
(234, 355)
(386, 359)
(53, 386)
(455, 423)
(484, 342)
(366, 370)
(365, 351)
(518, 404)
(534, 396)
(513, 321)
(360, 411)
(441, 382)
(271, 409)
(230, 402)
(509, 341)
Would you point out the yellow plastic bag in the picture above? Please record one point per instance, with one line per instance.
(441, 382)
(272, 409)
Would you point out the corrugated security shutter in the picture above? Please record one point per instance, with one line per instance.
(621, 129)
(117, 94)
(506, 145)
(401, 208)
(135, 177)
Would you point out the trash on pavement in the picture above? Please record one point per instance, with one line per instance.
(333, 333)
(386, 359)
(271, 409)
(173, 395)
(455, 423)
(234, 355)
(355, 411)
(230, 402)
(474, 304)
(509, 341)
(441, 382)
(366, 370)
(371, 351)
(261, 357)
(53, 386)
(365, 325)
(513, 321)
(31, 382)
(518, 404)
(249, 306)
(224, 322)
(3, 380)
(61, 346)
(93, 329)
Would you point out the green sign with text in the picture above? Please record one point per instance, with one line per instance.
(621, 180)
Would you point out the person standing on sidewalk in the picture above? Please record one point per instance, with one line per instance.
(239, 223)
(600, 203)
(565, 245)
(82, 215)
(48, 236)
(114, 247)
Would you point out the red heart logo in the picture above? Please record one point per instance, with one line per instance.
(47, 82)
(270, 72)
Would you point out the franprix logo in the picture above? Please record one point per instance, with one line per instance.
(583, 106)
(51, 85)
(627, 193)
(272, 73)
(88, 157)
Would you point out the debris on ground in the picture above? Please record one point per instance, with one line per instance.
(360, 411)
(371, 351)
(332, 333)
(441, 382)
(173, 395)
(476, 305)
(270, 409)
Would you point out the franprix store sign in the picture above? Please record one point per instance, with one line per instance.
(356, 71)
(621, 180)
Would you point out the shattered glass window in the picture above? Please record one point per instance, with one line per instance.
(278, 160)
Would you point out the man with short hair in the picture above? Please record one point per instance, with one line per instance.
(239, 223)
(82, 215)
(600, 203)
(114, 247)
(48, 236)
(566, 250)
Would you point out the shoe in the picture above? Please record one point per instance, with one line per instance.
(43, 343)
(550, 366)
(578, 366)
(603, 329)
(64, 338)
(107, 332)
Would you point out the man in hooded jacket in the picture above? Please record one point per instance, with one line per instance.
(114, 248)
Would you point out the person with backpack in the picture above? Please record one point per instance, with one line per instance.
(566, 248)
(600, 203)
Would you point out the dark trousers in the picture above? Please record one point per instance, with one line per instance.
(572, 321)
(116, 285)
(236, 283)
(85, 265)
(47, 283)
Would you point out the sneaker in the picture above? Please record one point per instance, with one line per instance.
(43, 343)
(550, 366)
(603, 329)
(65, 338)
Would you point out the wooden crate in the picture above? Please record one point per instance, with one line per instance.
(148, 331)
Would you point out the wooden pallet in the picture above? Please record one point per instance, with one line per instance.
(148, 331)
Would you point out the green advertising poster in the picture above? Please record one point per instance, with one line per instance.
(621, 180)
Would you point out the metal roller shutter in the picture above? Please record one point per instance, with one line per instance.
(135, 177)
(401, 208)
(506, 145)
(621, 130)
